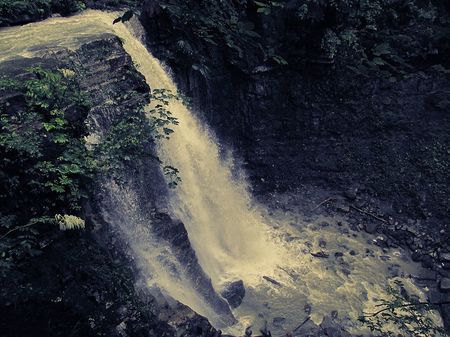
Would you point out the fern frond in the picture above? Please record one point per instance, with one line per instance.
(69, 222)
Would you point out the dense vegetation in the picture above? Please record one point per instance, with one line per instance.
(47, 167)
(384, 37)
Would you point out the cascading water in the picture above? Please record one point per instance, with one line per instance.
(226, 233)
(232, 237)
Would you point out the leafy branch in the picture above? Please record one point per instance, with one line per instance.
(410, 317)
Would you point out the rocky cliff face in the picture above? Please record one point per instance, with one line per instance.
(85, 283)
(314, 120)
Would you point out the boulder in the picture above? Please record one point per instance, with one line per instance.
(234, 293)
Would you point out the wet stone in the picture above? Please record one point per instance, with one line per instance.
(444, 257)
(271, 280)
(416, 256)
(426, 275)
(371, 228)
(278, 321)
(307, 308)
(444, 285)
(385, 258)
(427, 261)
(234, 293)
(351, 193)
(393, 271)
(320, 254)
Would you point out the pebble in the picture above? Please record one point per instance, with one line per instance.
(444, 285)
(307, 308)
(321, 254)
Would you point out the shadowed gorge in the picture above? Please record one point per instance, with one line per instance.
(178, 169)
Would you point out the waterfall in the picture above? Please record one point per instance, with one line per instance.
(282, 273)
(224, 227)
(226, 232)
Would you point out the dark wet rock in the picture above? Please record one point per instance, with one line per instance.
(416, 256)
(346, 271)
(351, 193)
(338, 254)
(426, 275)
(307, 308)
(381, 241)
(444, 257)
(308, 329)
(371, 227)
(444, 285)
(321, 255)
(234, 293)
(352, 252)
(271, 280)
(385, 257)
(393, 271)
(427, 261)
(278, 321)
(445, 312)
(332, 329)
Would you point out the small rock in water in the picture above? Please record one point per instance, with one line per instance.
(322, 243)
(444, 285)
(271, 280)
(346, 271)
(338, 254)
(332, 329)
(234, 293)
(320, 254)
(385, 258)
(393, 271)
(307, 308)
(278, 321)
